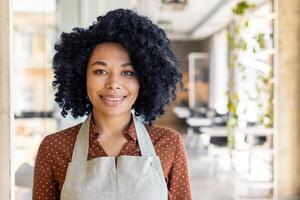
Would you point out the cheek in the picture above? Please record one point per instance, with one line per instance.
(89, 79)
(93, 82)
(92, 86)
(135, 87)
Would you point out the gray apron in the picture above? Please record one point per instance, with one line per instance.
(114, 178)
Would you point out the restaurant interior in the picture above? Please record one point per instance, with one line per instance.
(238, 123)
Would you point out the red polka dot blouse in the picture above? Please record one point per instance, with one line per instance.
(55, 152)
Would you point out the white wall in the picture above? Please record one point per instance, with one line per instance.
(218, 72)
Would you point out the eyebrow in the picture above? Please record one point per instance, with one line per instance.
(105, 65)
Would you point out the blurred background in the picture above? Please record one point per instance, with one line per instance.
(228, 55)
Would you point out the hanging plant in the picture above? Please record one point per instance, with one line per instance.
(242, 7)
(265, 85)
(265, 91)
(236, 44)
(260, 39)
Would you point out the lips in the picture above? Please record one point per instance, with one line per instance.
(112, 100)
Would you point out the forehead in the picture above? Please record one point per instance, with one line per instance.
(110, 50)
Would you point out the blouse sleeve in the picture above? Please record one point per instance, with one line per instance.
(45, 185)
(179, 180)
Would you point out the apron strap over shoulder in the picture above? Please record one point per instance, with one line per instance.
(82, 141)
(143, 137)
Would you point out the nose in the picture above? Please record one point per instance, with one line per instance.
(112, 83)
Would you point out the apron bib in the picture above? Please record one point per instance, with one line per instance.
(114, 178)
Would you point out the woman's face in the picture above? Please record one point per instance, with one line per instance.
(112, 84)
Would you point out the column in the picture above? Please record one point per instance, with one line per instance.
(6, 114)
(288, 99)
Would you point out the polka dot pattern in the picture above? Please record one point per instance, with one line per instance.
(55, 152)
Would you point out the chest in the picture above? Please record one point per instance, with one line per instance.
(112, 145)
(111, 148)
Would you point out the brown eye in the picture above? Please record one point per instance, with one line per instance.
(99, 71)
(129, 73)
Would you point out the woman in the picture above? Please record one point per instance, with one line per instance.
(121, 73)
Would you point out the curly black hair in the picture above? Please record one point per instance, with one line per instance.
(150, 53)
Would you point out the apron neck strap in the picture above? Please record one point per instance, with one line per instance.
(81, 146)
(143, 138)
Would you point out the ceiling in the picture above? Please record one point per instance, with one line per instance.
(197, 19)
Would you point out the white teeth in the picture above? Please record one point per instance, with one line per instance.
(113, 99)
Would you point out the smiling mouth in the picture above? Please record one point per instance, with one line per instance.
(112, 101)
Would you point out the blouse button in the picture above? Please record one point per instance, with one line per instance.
(151, 164)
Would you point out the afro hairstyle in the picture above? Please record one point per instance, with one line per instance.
(150, 53)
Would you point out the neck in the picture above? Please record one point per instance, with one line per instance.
(111, 125)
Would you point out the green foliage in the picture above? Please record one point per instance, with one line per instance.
(236, 44)
(242, 7)
(265, 89)
(260, 39)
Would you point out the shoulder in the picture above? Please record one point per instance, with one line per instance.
(67, 133)
(60, 140)
(161, 134)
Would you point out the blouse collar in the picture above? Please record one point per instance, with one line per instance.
(129, 131)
